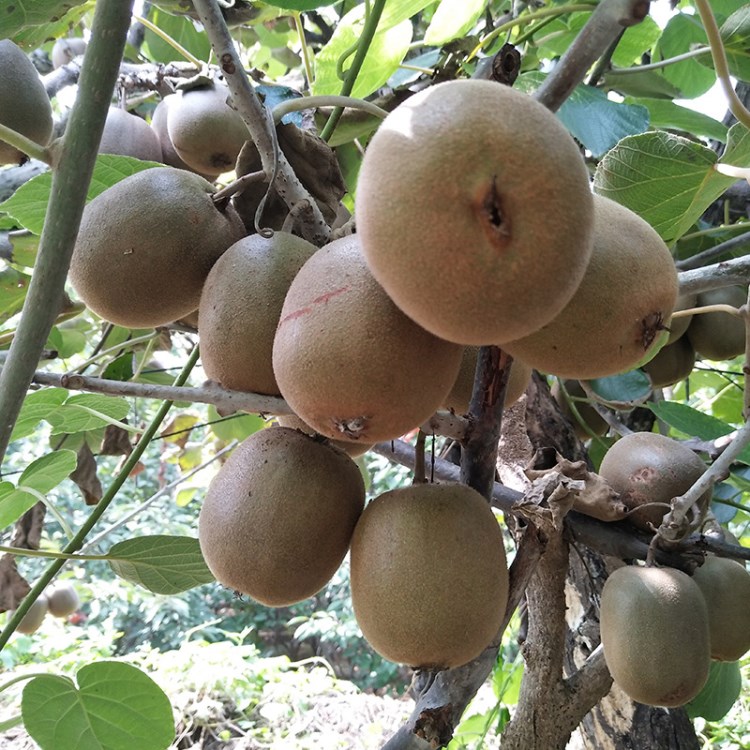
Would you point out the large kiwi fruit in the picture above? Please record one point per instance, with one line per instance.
(448, 206)
(645, 467)
(593, 422)
(460, 396)
(725, 585)
(62, 600)
(205, 131)
(278, 517)
(34, 616)
(240, 309)
(671, 364)
(146, 245)
(348, 361)
(718, 335)
(24, 104)
(159, 126)
(428, 575)
(620, 308)
(128, 135)
(654, 627)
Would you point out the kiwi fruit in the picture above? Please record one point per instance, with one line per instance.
(146, 245)
(428, 575)
(620, 308)
(159, 126)
(352, 449)
(671, 364)
(65, 50)
(725, 585)
(240, 309)
(718, 335)
(645, 467)
(448, 207)
(128, 135)
(460, 396)
(348, 361)
(34, 617)
(24, 104)
(654, 628)
(278, 517)
(205, 131)
(678, 326)
(62, 600)
(594, 422)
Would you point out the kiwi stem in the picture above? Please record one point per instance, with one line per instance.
(77, 541)
(697, 52)
(708, 309)
(70, 182)
(304, 49)
(237, 185)
(365, 39)
(309, 102)
(26, 145)
(419, 462)
(174, 44)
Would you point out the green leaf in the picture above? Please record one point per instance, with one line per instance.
(69, 340)
(635, 41)
(34, 15)
(14, 503)
(162, 564)
(690, 421)
(115, 706)
(28, 205)
(649, 83)
(13, 287)
(627, 388)
(735, 33)
(234, 428)
(300, 4)
(666, 114)
(36, 407)
(87, 411)
(453, 19)
(182, 30)
(24, 247)
(719, 693)
(47, 472)
(120, 368)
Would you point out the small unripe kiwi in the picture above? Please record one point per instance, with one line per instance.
(240, 309)
(428, 575)
(63, 600)
(620, 309)
(448, 204)
(654, 627)
(146, 245)
(34, 617)
(594, 421)
(718, 335)
(65, 50)
(278, 517)
(671, 364)
(348, 361)
(645, 467)
(725, 585)
(24, 104)
(128, 135)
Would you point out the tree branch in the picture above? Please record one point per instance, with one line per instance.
(727, 273)
(728, 246)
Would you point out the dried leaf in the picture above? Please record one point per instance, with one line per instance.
(85, 476)
(116, 442)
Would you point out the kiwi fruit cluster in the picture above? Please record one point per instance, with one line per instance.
(660, 628)
(60, 600)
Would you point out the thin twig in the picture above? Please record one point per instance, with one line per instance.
(733, 272)
(26, 145)
(714, 253)
(311, 102)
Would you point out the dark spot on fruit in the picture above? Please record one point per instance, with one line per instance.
(227, 64)
(492, 216)
(650, 326)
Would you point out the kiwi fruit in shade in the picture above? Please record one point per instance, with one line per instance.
(348, 361)
(62, 600)
(447, 206)
(460, 396)
(655, 636)
(725, 585)
(355, 450)
(128, 135)
(159, 126)
(24, 104)
(718, 335)
(34, 617)
(65, 50)
(146, 245)
(672, 363)
(678, 326)
(278, 517)
(240, 309)
(616, 316)
(428, 575)
(205, 131)
(645, 467)
(594, 421)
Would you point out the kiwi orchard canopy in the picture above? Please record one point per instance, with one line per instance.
(475, 213)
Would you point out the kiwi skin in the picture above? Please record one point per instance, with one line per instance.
(725, 585)
(240, 308)
(128, 135)
(24, 104)
(63, 600)
(654, 628)
(671, 364)
(278, 518)
(34, 617)
(146, 245)
(428, 575)
(618, 312)
(645, 467)
(448, 203)
(718, 335)
(348, 361)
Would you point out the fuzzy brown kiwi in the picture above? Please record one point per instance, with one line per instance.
(128, 135)
(413, 549)
(24, 104)
(240, 309)
(278, 518)
(146, 245)
(654, 627)
(159, 126)
(619, 312)
(718, 335)
(448, 203)
(671, 364)
(348, 361)
(63, 600)
(34, 617)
